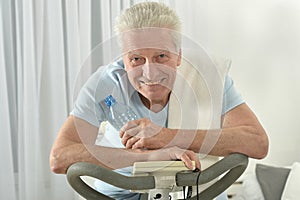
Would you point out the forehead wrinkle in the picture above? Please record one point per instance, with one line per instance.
(134, 52)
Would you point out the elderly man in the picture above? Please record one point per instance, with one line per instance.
(143, 78)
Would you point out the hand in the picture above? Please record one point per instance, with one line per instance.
(176, 153)
(143, 133)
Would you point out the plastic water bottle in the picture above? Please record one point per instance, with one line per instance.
(119, 114)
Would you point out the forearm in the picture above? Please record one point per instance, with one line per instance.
(221, 142)
(241, 132)
(75, 143)
(112, 158)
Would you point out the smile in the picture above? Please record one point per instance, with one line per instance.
(153, 83)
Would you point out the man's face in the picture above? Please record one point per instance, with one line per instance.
(151, 59)
(152, 72)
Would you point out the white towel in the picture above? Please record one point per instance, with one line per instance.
(196, 99)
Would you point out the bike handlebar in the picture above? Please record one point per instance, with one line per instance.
(235, 164)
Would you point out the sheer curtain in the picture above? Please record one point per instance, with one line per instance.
(42, 47)
(35, 93)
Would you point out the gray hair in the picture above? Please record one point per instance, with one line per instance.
(149, 15)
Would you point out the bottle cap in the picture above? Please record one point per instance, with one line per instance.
(110, 100)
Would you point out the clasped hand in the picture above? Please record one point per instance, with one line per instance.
(144, 134)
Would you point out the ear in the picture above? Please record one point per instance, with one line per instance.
(179, 58)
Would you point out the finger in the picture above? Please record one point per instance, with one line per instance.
(129, 134)
(138, 144)
(129, 125)
(197, 163)
(194, 157)
(130, 142)
(187, 161)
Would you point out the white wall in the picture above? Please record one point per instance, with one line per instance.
(262, 37)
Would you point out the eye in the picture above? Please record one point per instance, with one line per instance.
(136, 60)
(162, 57)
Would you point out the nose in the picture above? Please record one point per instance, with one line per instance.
(150, 70)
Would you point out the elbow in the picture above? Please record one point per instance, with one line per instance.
(255, 144)
(261, 147)
(264, 147)
(56, 161)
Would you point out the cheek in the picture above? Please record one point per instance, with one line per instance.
(170, 70)
(133, 75)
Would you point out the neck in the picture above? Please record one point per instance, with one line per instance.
(154, 105)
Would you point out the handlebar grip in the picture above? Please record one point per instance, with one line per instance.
(88, 169)
(235, 164)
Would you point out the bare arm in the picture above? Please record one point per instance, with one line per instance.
(75, 143)
(241, 133)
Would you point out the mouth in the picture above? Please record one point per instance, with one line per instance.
(151, 83)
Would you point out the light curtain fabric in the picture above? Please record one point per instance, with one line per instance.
(43, 45)
(35, 93)
(7, 186)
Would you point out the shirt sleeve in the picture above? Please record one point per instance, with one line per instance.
(86, 106)
(231, 97)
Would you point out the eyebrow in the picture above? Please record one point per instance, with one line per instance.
(163, 51)
(157, 52)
